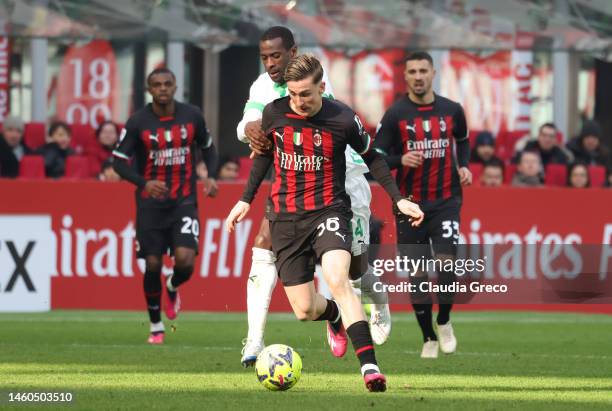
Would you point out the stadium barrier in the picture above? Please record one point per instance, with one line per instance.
(70, 244)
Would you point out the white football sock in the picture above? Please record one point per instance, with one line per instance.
(260, 285)
(157, 327)
(169, 285)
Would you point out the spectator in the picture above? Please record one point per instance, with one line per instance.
(547, 147)
(107, 136)
(587, 147)
(107, 172)
(528, 171)
(229, 169)
(578, 176)
(12, 148)
(492, 173)
(484, 149)
(55, 152)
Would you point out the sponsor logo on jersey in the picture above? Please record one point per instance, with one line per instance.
(298, 162)
(430, 148)
(169, 156)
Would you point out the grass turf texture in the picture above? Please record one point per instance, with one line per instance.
(504, 361)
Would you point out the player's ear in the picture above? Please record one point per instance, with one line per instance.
(293, 51)
(322, 87)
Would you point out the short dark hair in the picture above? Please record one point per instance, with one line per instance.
(56, 125)
(279, 31)
(494, 162)
(160, 70)
(419, 55)
(551, 125)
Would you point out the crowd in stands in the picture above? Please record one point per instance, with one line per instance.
(77, 151)
(523, 161)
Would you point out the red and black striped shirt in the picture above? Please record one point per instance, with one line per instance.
(309, 160)
(432, 129)
(164, 149)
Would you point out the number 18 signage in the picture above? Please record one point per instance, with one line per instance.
(88, 84)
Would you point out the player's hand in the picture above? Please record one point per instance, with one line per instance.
(156, 188)
(412, 210)
(258, 142)
(237, 214)
(465, 176)
(210, 187)
(412, 159)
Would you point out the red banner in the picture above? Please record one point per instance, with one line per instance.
(93, 226)
(88, 85)
(5, 77)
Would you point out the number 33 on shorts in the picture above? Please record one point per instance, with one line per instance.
(450, 229)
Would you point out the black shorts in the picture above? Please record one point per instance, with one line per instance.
(440, 227)
(161, 230)
(299, 244)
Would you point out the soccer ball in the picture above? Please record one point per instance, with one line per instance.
(278, 367)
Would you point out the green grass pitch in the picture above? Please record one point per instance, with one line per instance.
(504, 361)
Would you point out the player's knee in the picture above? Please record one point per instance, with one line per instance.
(153, 265)
(304, 311)
(263, 240)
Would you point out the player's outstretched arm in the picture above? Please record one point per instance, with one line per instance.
(258, 172)
(237, 214)
(380, 171)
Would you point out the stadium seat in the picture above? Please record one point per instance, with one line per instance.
(555, 175)
(83, 137)
(244, 168)
(597, 175)
(476, 169)
(78, 167)
(505, 142)
(34, 135)
(509, 173)
(32, 167)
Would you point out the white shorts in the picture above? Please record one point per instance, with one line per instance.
(358, 189)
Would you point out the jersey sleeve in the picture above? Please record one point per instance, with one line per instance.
(253, 111)
(357, 136)
(388, 140)
(128, 140)
(202, 136)
(460, 129)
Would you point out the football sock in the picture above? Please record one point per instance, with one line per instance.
(423, 316)
(157, 328)
(331, 314)
(170, 289)
(152, 292)
(360, 336)
(180, 276)
(443, 313)
(260, 285)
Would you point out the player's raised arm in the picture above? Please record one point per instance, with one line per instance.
(249, 129)
(361, 142)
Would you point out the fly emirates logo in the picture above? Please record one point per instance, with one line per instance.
(298, 162)
(430, 148)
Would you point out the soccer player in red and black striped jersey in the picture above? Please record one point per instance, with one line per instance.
(419, 134)
(311, 211)
(164, 138)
